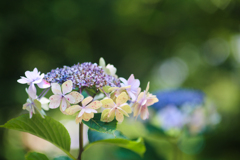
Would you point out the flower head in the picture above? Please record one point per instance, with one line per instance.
(134, 84)
(119, 108)
(144, 100)
(61, 98)
(116, 91)
(33, 103)
(88, 109)
(32, 78)
(83, 75)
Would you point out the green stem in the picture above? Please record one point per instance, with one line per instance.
(80, 141)
(175, 152)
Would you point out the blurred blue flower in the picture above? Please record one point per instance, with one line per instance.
(171, 118)
(178, 97)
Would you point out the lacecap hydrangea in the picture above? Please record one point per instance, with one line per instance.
(121, 96)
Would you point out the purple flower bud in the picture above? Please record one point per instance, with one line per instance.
(82, 75)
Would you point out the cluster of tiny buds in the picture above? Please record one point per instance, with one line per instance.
(82, 75)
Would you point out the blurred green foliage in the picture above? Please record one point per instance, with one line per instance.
(173, 43)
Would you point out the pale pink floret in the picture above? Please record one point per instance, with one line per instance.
(134, 89)
(117, 109)
(88, 109)
(33, 103)
(32, 78)
(144, 100)
(61, 98)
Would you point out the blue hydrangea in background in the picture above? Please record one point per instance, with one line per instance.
(184, 108)
(179, 97)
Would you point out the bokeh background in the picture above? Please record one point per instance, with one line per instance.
(172, 43)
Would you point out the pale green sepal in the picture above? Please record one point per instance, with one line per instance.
(38, 104)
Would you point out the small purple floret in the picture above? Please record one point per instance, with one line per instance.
(82, 75)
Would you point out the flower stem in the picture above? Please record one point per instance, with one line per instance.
(105, 93)
(44, 92)
(80, 141)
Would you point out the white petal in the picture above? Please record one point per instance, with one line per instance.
(119, 116)
(136, 108)
(37, 80)
(151, 101)
(35, 71)
(89, 110)
(87, 100)
(68, 106)
(70, 99)
(25, 106)
(102, 62)
(122, 98)
(87, 116)
(67, 86)
(63, 104)
(126, 108)
(56, 89)
(131, 79)
(30, 114)
(45, 107)
(42, 75)
(133, 97)
(32, 91)
(23, 80)
(144, 113)
(125, 82)
(81, 112)
(78, 119)
(44, 101)
(78, 97)
(111, 69)
(140, 97)
(107, 103)
(73, 109)
(29, 75)
(43, 84)
(147, 88)
(135, 84)
(94, 105)
(55, 101)
(104, 115)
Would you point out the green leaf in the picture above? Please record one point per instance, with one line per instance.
(46, 128)
(84, 93)
(62, 158)
(91, 91)
(118, 139)
(96, 124)
(35, 156)
(155, 130)
(97, 136)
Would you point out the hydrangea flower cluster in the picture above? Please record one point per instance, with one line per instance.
(83, 75)
(184, 108)
(121, 96)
